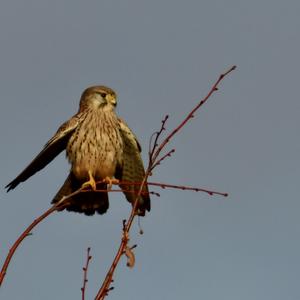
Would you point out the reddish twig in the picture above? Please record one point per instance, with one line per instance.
(85, 271)
(178, 187)
(153, 159)
(159, 184)
(157, 134)
(158, 161)
(187, 188)
(191, 114)
(58, 206)
(17, 243)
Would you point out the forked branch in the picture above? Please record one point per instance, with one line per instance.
(155, 149)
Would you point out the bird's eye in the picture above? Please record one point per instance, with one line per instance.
(103, 95)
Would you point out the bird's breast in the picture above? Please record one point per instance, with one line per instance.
(96, 146)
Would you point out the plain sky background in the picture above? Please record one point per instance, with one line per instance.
(161, 56)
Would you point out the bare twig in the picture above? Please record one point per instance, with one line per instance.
(85, 271)
(26, 233)
(187, 188)
(58, 206)
(158, 161)
(173, 186)
(157, 134)
(191, 114)
(153, 159)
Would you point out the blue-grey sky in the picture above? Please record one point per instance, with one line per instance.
(161, 57)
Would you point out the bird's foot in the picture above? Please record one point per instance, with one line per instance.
(110, 181)
(91, 183)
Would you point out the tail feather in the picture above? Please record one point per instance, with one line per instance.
(85, 202)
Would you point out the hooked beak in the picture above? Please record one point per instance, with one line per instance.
(111, 99)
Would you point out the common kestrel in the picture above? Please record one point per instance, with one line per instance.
(99, 146)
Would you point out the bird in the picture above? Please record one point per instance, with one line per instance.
(101, 149)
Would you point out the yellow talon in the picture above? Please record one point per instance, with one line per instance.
(110, 181)
(91, 182)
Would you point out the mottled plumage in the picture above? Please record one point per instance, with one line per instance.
(98, 144)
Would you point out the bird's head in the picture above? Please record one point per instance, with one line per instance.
(98, 96)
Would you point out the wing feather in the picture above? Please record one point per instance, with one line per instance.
(133, 168)
(53, 147)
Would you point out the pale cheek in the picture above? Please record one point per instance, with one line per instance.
(95, 103)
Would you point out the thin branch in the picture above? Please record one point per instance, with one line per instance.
(191, 114)
(153, 156)
(85, 271)
(88, 190)
(187, 188)
(58, 206)
(26, 233)
(179, 187)
(158, 161)
(157, 134)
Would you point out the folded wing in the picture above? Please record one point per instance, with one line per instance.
(133, 169)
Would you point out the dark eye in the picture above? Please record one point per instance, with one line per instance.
(103, 95)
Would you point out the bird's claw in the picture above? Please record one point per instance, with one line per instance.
(110, 181)
(91, 183)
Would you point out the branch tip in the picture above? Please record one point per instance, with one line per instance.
(85, 270)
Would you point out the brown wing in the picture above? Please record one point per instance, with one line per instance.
(133, 169)
(54, 146)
